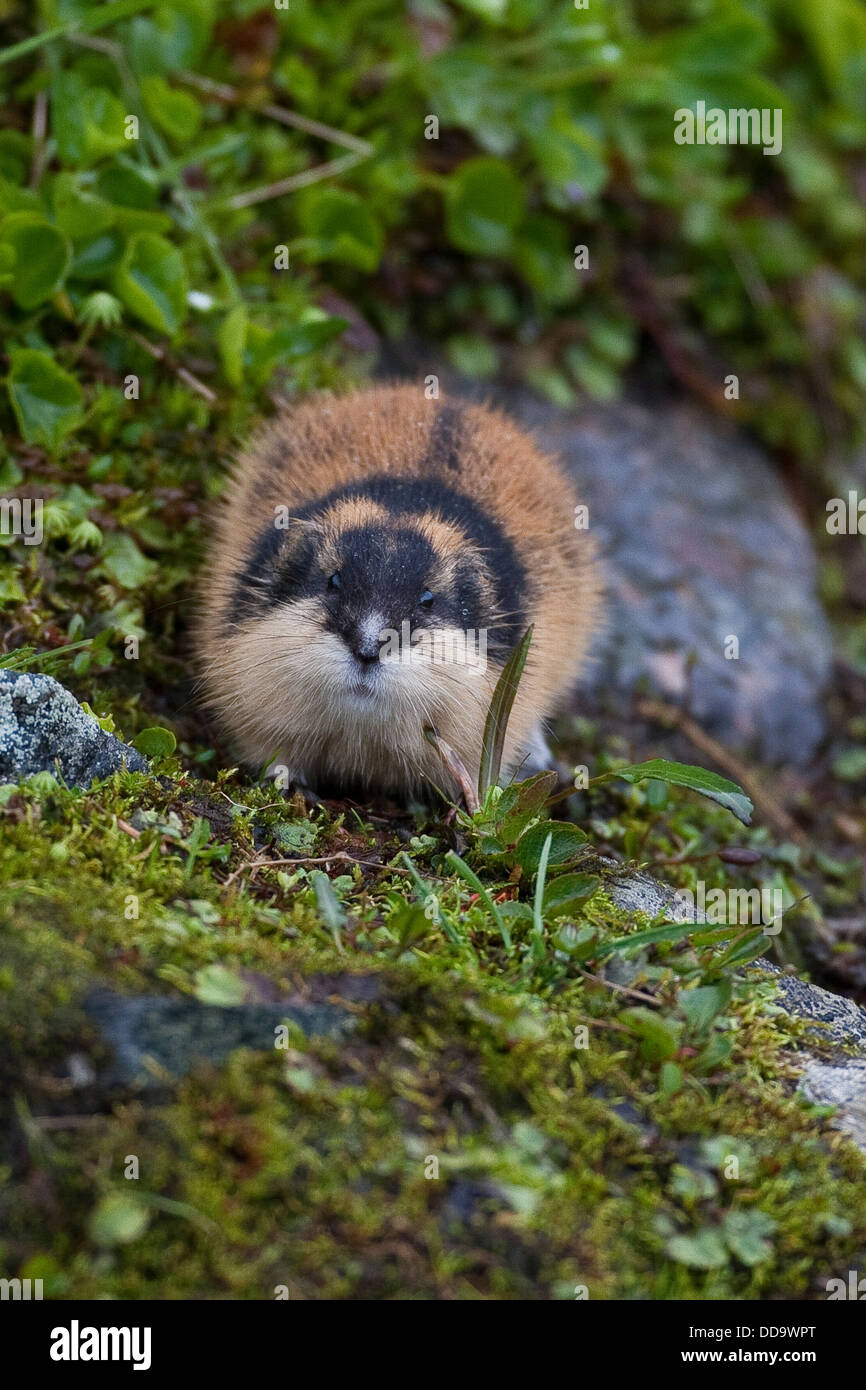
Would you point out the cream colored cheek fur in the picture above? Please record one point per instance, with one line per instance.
(284, 688)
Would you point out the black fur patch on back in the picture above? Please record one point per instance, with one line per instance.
(443, 446)
(279, 568)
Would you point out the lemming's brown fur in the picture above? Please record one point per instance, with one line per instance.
(268, 677)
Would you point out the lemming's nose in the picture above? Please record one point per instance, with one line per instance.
(366, 649)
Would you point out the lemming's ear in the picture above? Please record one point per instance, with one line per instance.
(284, 520)
(292, 559)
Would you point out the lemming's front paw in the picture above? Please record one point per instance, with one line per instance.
(288, 780)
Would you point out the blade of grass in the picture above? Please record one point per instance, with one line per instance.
(537, 914)
(499, 714)
(425, 892)
(475, 882)
(23, 657)
(86, 24)
(675, 931)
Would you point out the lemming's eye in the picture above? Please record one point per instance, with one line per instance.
(426, 599)
(334, 581)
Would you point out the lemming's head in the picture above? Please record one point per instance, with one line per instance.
(393, 595)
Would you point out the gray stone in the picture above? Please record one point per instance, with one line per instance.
(842, 1084)
(839, 1022)
(832, 1059)
(639, 892)
(43, 728)
(157, 1036)
(694, 510)
(701, 541)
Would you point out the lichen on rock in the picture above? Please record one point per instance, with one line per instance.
(43, 728)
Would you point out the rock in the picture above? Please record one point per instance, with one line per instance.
(835, 1072)
(640, 892)
(43, 728)
(842, 1085)
(840, 1023)
(151, 1035)
(702, 543)
(832, 1061)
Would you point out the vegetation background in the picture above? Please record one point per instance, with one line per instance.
(265, 135)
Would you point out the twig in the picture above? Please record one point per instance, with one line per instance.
(223, 92)
(360, 149)
(340, 857)
(39, 127)
(67, 1121)
(778, 817)
(128, 829)
(620, 989)
(288, 185)
(182, 372)
(608, 1023)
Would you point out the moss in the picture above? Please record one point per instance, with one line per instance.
(311, 1166)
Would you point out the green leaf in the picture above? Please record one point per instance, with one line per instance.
(151, 281)
(173, 37)
(78, 211)
(329, 905)
(567, 894)
(472, 354)
(7, 264)
(15, 199)
(578, 942)
(703, 1250)
(86, 121)
(232, 339)
(660, 1036)
(484, 206)
(701, 1005)
(340, 227)
(567, 843)
(697, 779)
(123, 561)
(745, 1233)
(542, 256)
(215, 984)
(300, 339)
(496, 724)
(520, 803)
(409, 924)
(493, 10)
(156, 742)
(670, 1079)
(118, 1220)
(850, 766)
(42, 257)
(95, 257)
(466, 88)
(622, 945)
(570, 158)
(47, 401)
(175, 112)
(746, 947)
(127, 185)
